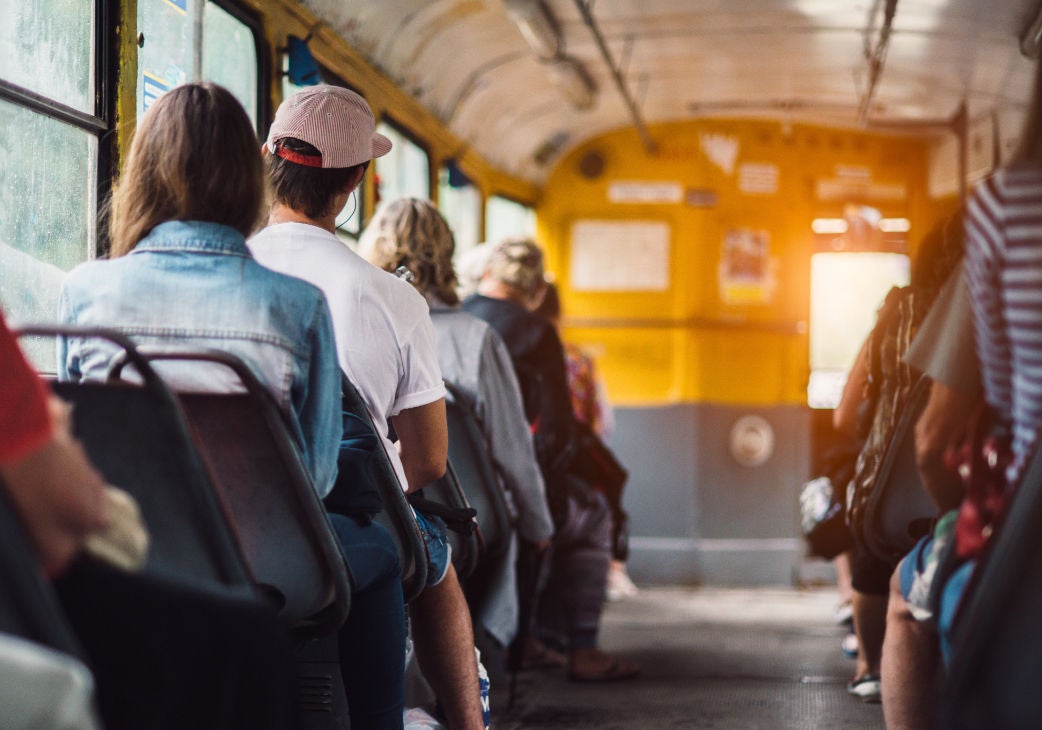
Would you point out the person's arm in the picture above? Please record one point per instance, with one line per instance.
(319, 408)
(57, 492)
(845, 417)
(941, 425)
(423, 442)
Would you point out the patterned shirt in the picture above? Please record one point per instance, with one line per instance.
(1004, 273)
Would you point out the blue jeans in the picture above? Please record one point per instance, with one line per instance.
(439, 550)
(372, 640)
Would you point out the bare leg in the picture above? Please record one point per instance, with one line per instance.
(843, 577)
(870, 625)
(444, 640)
(910, 661)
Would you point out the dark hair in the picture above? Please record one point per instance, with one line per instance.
(194, 157)
(937, 256)
(550, 307)
(308, 190)
(1029, 149)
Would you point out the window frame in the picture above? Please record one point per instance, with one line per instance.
(107, 15)
(252, 20)
(405, 131)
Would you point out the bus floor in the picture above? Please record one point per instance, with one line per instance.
(710, 658)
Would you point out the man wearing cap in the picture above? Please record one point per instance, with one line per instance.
(317, 152)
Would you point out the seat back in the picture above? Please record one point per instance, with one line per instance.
(899, 511)
(28, 605)
(466, 546)
(397, 516)
(997, 647)
(137, 437)
(293, 555)
(476, 475)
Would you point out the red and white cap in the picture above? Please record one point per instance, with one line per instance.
(335, 121)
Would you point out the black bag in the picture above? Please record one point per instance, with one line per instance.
(354, 493)
(596, 465)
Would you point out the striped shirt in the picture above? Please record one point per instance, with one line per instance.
(1004, 273)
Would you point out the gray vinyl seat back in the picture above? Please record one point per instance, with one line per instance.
(899, 511)
(29, 608)
(289, 546)
(137, 437)
(397, 516)
(476, 474)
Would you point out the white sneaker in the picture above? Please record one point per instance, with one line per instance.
(866, 688)
(619, 584)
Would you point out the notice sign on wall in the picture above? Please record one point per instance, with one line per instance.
(619, 256)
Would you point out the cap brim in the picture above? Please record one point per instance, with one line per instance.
(380, 145)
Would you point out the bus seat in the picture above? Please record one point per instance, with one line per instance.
(285, 534)
(450, 500)
(28, 606)
(997, 645)
(397, 516)
(477, 475)
(899, 511)
(137, 437)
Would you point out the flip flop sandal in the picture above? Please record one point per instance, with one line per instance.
(616, 671)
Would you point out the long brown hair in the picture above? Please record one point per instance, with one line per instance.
(195, 156)
(410, 232)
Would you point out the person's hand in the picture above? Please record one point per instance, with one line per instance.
(58, 493)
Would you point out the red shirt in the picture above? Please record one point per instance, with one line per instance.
(24, 422)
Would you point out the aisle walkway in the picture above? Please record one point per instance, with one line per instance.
(712, 658)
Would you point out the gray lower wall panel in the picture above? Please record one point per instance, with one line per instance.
(697, 515)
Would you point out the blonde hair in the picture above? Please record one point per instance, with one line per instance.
(195, 156)
(518, 263)
(410, 232)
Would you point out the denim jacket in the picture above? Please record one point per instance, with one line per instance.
(195, 284)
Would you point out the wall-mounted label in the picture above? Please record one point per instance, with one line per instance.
(619, 256)
(154, 87)
(701, 198)
(745, 267)
(181, 5)
(758, 178)
(645, 192)
(721, 149)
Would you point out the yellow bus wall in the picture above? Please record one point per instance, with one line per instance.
(685, 344)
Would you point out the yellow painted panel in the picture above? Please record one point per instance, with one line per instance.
(739, 197)
(638, 366)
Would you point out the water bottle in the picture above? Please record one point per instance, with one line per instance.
(484, 686)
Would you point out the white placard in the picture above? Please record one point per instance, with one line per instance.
(758, 178)
(619, 256)
(645, 192)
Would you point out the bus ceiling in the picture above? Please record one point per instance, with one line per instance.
(546, 75)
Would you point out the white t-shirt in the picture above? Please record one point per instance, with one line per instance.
(384, 335)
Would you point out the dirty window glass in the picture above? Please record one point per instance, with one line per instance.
(48, 48)
(405, 171)
(230, 56)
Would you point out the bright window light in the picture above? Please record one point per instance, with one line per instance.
(895, 225)
(829, 225)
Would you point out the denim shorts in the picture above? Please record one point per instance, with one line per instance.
(439, 551)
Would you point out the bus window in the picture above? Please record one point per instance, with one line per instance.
(51, 121)
(847, 289)
(460, 202)
(504, 217)
(174, 53)
(230, 56)
(405, 171)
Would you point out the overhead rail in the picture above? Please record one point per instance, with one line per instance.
(638, 121)
(876, 59)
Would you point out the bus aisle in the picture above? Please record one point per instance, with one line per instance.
(711, 658)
